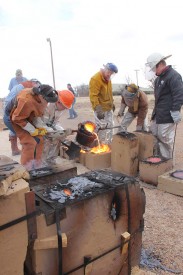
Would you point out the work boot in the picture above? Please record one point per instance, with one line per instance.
(14, 146)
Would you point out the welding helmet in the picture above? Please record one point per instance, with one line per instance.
(110, 66)
(154, 59)
(47, 92)
(66, 97)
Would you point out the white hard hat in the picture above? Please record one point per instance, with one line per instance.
(155, 58)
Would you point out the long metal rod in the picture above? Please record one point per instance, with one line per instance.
(53, 74)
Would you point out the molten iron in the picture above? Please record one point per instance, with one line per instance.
(154, 159)
(89, 126)
(103, 148)
(67, 192)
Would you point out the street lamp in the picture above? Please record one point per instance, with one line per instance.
(137, 76)
(49, 40)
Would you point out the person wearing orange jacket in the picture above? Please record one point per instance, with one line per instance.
(51, 122)
(31, 103)
(8, 106)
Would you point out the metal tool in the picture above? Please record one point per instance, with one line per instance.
(109, 128)
(73, 150)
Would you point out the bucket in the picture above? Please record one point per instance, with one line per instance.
(86, 135)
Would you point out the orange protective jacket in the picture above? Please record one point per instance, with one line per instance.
(28, 106)
(100, 92)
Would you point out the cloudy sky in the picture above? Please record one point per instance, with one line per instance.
(84, 36)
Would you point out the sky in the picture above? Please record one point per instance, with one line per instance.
(85, 35)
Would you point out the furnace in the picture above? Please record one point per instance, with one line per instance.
(152, 167)
(101, 215)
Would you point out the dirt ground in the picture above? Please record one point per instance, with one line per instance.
(162, 236)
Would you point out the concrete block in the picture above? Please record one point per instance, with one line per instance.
(124, 153)
(170, 184)
(149, 171)
(82, 157)
(146, 144)
(98, 161)
(13, 240)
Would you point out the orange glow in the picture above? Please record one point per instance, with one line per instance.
(67, 192)
(90, 127)
(82, 151)
(103, 148)
(114, 205)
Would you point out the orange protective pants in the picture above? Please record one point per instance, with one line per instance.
(32, 149)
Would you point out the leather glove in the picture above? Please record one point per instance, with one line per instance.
(113, 108)
(176, 115)
(138, 128)
(121, 110)
(39, 132)
(99, 112)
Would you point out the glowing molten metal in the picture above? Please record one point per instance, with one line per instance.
(67, 192)
(154, 160)
(90, 127)
(103, 148)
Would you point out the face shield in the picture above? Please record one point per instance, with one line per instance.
(108, 74)
(149, 73)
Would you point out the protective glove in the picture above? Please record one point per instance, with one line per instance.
(113, 108)
(176, 115)
(58, 127)
(68, 132)
(121, 110)
(39, 132)
(99, 112)
(138, 128)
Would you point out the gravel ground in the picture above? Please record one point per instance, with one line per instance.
(162, 236)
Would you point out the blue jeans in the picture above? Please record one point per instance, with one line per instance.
(8, 123)
(72, 112)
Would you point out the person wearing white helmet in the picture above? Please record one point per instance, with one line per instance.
(101, 98)
(168, 91)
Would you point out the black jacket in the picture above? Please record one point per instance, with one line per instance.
(168, 91)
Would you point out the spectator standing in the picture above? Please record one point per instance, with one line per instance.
(137, 103)
(101, 98)
(72, 113)
(168, 92)
(19, 78)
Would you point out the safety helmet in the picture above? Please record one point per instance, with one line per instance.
(111, 67)
(35, 80)
(154, 59)
(47, 92)
(66, 97)
(132, 88)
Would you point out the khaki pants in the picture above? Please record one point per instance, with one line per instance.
(165, 137)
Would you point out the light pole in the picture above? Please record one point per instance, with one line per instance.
(137, 76)
(49, 40)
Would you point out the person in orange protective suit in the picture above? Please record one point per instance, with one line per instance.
(51, 122)
(31, 103)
